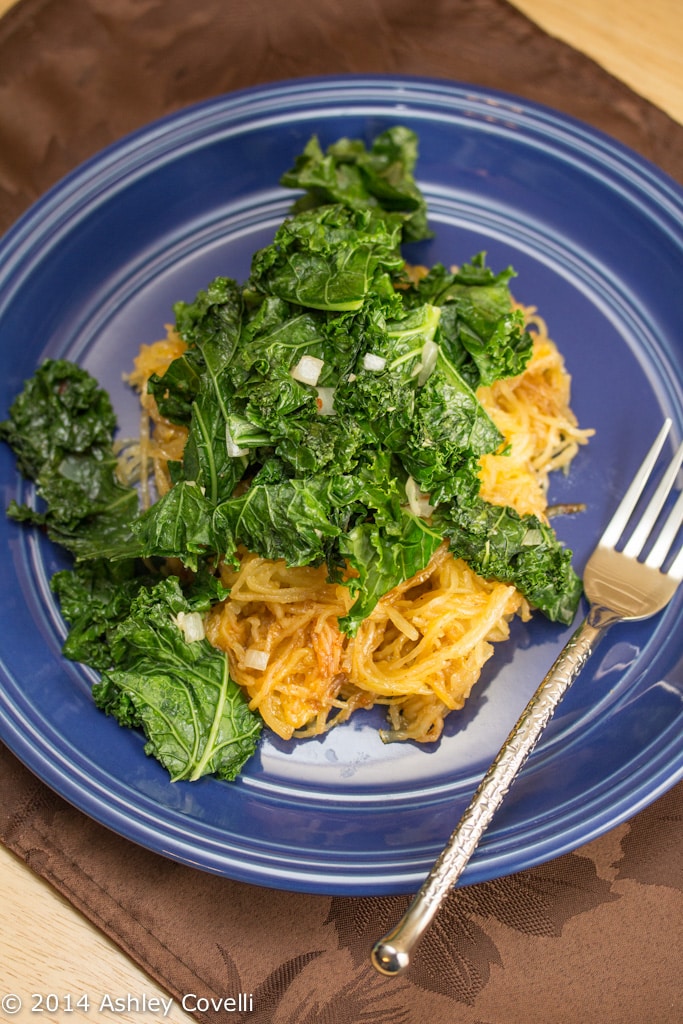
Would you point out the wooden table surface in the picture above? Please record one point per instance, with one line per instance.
(47, 946)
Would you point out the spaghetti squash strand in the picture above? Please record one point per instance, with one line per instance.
(541, 433)
(316, 675)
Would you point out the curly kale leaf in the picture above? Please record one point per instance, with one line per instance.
(195, 717)
(384, 554)
(480, 331)
(329, 258)
(94, 597)
(123, 620)
(193, 389)
(61, 429)
(431, 425)
(499, 543)
(210, 326)
(350, 173)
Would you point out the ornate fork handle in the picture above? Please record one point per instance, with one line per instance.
(391, 954)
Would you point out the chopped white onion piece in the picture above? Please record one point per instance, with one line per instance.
(191, 625)
(373, 362)
(430, 352)
(307, 370)
(254, 658)
(234, 450)
(417, 501)
(326, 401)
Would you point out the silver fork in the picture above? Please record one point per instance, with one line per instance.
(619, 585)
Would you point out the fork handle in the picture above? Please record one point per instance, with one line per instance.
(391, 954)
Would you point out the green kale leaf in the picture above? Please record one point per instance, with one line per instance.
(499, 543)
(350, 173)
(195, 717)
(384, 554)
(123, 617)
(480, 331)
(94, 597)
(179, 525)
(61, 429)
(210, 325)
(329, 258)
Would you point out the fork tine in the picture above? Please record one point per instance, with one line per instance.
(649, 516)
(667, 535)
(676, 570)
(617, 523)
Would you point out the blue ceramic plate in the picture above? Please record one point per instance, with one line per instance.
(596, 236)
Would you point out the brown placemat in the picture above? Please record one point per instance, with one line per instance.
(591, 936)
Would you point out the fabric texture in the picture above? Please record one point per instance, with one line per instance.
(591, 936)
